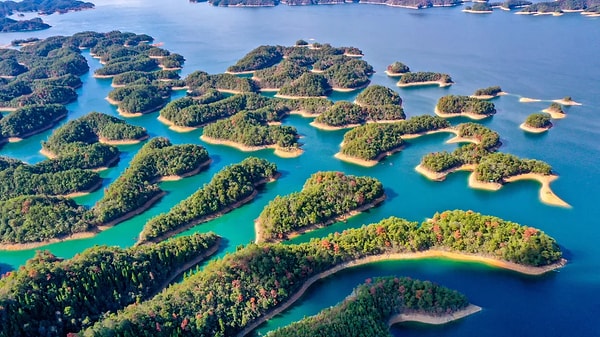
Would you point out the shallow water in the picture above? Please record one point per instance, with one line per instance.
(539, 57)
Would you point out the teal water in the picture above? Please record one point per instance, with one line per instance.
(540, 57)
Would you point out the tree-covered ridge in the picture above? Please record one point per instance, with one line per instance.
(18, 178)
(342, 114)
(146, 78)
(278, 75)
(371, 305)
(136, 189)
(496, 167)
(560, 6)
(378, 95)
(31, 119)
(453, 104)
(370, 141)
(190, 112)
(231, 293)
(539, 121)
(55, 297)
(489, 91)
(258, 58)
(251, 129)
(325, 196)
(140, 98)
(309, 106)
(75, 144)
(9, 25)
(39, 218)
(424, 76)
(229, 188)
(307, 85)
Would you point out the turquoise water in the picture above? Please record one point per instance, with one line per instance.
(539, 57)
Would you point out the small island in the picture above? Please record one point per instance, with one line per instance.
(137, 100)
(567, 100)
(30, 120)
(423, 79)
(333, 197)
(230, 188)
(252, 131)
(537, 123)
(260, 280)
(455, 106)
(381, 302)
(41, 7)
(488, 93)
(78, 287)
(556, 111)
(479, 8)
(366, 145)
(397, 69)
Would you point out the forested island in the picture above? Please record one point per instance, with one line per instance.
(537, 123)
(366, 145)
(556, 111)
(41, 7)
(421, 78)
(479, 8)
(488, 93)
(342, 114)
(326, 197)
(453, 106)
(377, 304)
(50, 296)
(397, 69)
(233, 295)
(251, 131)
(230, 188)
(89, 141)
(136, 190)
(30, 120)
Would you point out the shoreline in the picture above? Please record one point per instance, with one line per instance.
(434, 319)
(325, 127)
(488, 97)
(531, 129)
(240, 72)
(441, 176)
(296, 97)
(245, 148)
(48, 154)
(35, 132)
(209, 217)
(128, 114)
(175, 177)
(554, 113)
(122, 141)
(173, 127)
(338, 89)
(476, 12)
(397, 256)
(84, 192)
(342, 217)
(565, 102)
(146, 206)
(31, 245)
(461, 114)
(391, 74)
(527, 99)
(441, 84)
(368, 162)
(304, 113)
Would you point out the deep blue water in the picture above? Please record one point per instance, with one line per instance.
(540, 57)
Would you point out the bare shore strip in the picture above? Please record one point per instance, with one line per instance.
(391, 74)
(555, 114)
(210, 216)
(547, 196)
(488, 97)
(434, 319)
(343, 217)
(280, 152)
(559, 101)
(176, 128)
(441, 84)
(122, 141)
(531, 129)
(461, 114)
(51, 155)
(326, 127)
(399, 256)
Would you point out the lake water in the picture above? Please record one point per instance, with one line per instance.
(541, 57)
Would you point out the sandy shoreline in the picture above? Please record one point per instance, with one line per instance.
(461, 114)
(440, 176)
(441, 84)
(176, 128)
(368, 162)
(488, 97)
(565, 102)
(48, 154)
(122, 141)
(240, 72)
(434, 319)
(476, 12)
(397, 256)
(184, 175)
(527, 99)
(303, 113)
(258, 232)
(391, 74)
(296, 97)
(134, 212)
(526, 127)
(32, 245)
(326, 127)
(555, 114)
(84, 192)
(546, 194)
(140, 113)
(35, 132)
(244, 148)
(338, 89)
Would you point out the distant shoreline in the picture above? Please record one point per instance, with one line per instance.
(245, 148)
